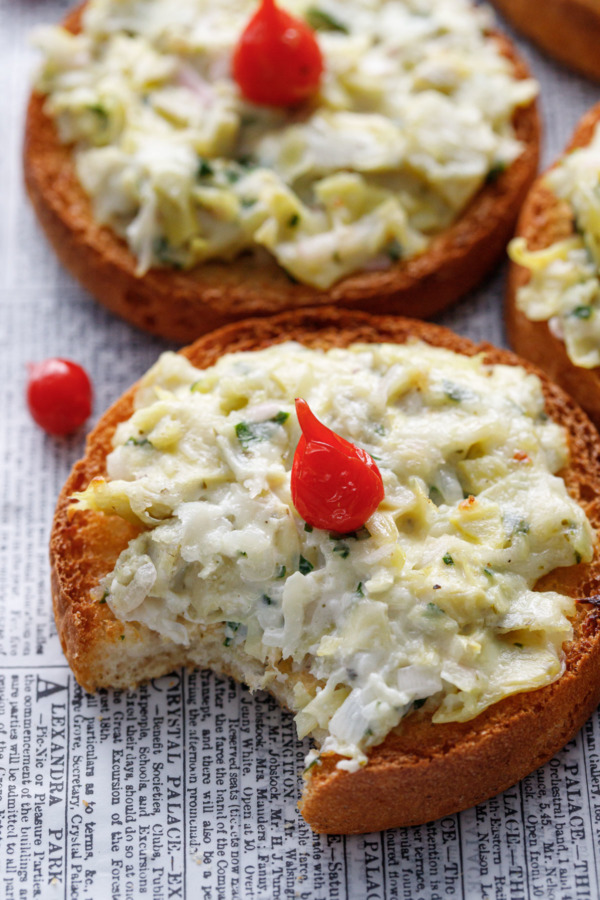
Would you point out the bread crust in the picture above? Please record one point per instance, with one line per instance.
(422, 771)
(568, 30)
(545, 219)
(183, 305)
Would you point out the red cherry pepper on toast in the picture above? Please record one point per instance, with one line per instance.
(335, 485)
(277, 61)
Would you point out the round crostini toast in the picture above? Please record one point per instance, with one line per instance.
(180, 301)
(568, 30)
(547, 222)
(428, 758)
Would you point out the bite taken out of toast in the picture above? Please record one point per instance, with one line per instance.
(568, 30)
(378, 640)
(180, 302)
(547, 222)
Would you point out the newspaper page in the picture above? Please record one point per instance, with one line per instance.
(188, 787)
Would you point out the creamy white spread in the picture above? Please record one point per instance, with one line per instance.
(431, 601)
(413, 115)
(564, 288)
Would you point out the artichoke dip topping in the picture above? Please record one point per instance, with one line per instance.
(412, 116)
(431, 602)
(564, 288)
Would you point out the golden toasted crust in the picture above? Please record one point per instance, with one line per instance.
(569, 30)
(423, 771)
(184, 305)
(543, 220)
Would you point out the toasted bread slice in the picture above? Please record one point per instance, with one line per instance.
(544, 220)
(421, 771)
(569, 30)
(183, 305)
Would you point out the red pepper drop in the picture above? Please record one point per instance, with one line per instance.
(277, 61)
(335, 485)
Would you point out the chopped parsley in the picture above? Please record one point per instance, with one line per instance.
(230, 630)
(249, 433)
(308, 527)
(281, 572)
(164, 253)
(455, 392)
(104, 596)
(435, 495)
(293, 220)
(495, 172)
(342, 548)
(267, 600)
(304, 566)
(582, 312)
(393, 249)
(320, 20)
(447, 559)
(204, 168)
(432, 609)
(139, 442)
(487, 571)
(100, 111)
(359, 590)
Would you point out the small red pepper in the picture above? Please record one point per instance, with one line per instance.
(335, 485)
(277, 61)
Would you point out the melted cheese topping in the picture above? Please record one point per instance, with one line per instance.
(413, 115)
(431, 601)
(564, 288)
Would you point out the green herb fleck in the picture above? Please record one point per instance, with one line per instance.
(487, 571)
(308, 527)
(342, 548)
(432, 609)
(230, 627)
(319, 20)
(232, 176)
(435, 495)
(139, 442)
(204, 168)
(359, 590)
(315, 762)
(122, 637)
(495, 172)
(455, 392)
(250, 432)
(522, 527)
(267, 600)
(163, 252)
(368, 732)
(582, 312)
(281, 572)
(304, 566)
(293, 220)
(578, 557)
(393, 249)
(247, 202)
(101, 112)
(448, 560)
(104, 596)
(242, 553)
